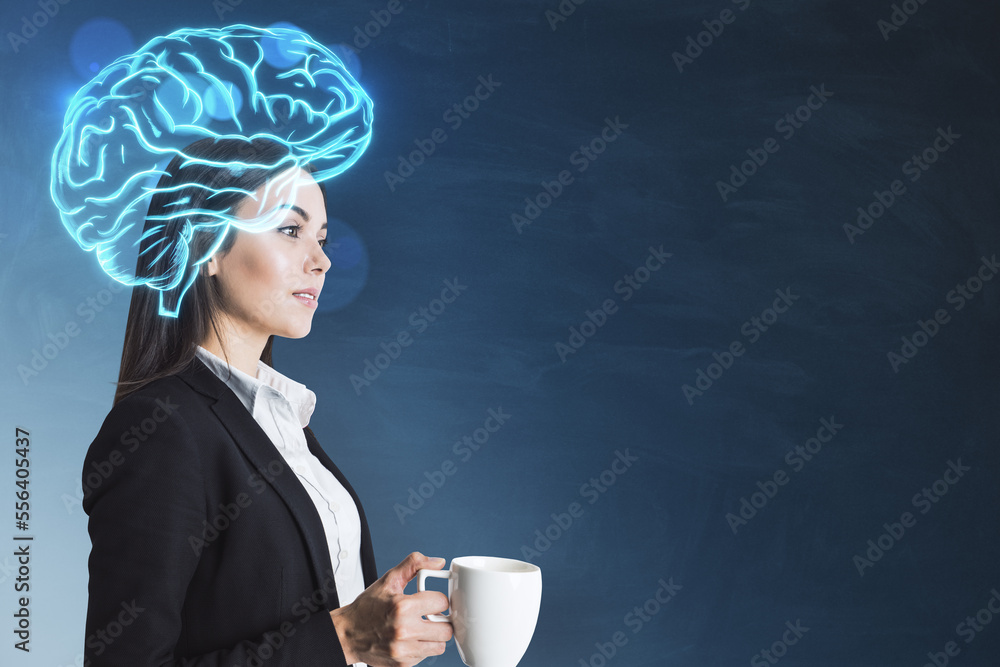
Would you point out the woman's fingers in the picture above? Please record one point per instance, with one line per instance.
(414, 637)
(411, 609)
(437, 632)
(397, 578)
(385, 626)
(423, 603)
(433, 648)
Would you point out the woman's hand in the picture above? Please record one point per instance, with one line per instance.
(383, 626)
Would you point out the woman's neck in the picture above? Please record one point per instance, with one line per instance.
(240, 352)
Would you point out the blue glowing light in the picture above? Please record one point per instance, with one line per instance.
(280, 49)
(347, 252)
(141, 110)
(96, 43)
(349, 271)
(223, 101)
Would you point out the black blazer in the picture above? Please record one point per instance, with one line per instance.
(207, 550)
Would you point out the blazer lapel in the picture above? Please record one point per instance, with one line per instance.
(368, 569)
(258, 448)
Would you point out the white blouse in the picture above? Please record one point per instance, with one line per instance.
(283, 407)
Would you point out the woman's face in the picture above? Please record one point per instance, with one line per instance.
(262, 272)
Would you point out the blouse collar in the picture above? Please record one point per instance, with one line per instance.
(247, 388)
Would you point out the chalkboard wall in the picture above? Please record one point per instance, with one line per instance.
(692, 304)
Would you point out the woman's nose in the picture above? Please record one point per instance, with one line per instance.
(320, 259)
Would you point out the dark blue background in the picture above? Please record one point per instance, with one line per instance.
(655, 185)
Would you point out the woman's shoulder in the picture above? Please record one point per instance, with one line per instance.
(166, 405)
(165, 394)
(150, 437)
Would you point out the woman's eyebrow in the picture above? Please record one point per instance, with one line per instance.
(300, 211)
(296, 209)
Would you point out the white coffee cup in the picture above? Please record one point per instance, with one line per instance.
(493, 607)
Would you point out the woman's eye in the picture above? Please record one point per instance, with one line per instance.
(322, 242)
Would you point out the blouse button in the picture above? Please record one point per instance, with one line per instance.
(343, 555)
(334, 507)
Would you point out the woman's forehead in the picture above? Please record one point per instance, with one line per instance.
(294, 189)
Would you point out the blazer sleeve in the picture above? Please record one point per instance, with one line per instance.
(142, 513)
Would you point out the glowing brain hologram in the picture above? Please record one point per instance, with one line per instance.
(124, 126)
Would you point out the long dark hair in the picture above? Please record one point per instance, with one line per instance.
(157, 346)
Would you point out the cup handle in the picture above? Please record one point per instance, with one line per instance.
(421, 579)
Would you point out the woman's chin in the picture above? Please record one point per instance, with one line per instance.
(300, 331)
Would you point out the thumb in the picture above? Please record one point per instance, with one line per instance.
(397, 578)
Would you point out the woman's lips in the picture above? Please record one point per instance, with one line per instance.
(306, 300)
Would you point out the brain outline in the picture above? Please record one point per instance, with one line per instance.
(136, 114)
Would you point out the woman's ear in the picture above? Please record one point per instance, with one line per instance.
(212, 266)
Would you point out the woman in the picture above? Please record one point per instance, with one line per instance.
(222, 533)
